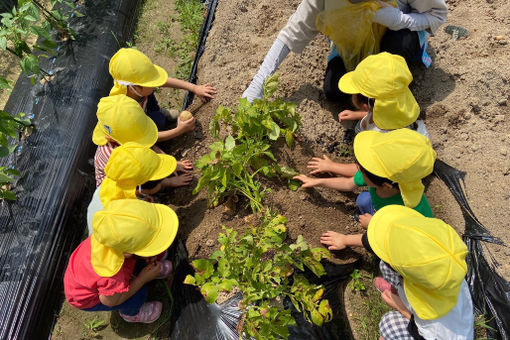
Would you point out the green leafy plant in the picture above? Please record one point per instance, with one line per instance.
(232, 166)
(10, 128)
(265, 269)
(92, 327)
(356, 283)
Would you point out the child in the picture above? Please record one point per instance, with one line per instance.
(99, 276)
(129, 167)
(423, 264)
(136, 76)
(379, 88)
(391, 164)
(122, 120)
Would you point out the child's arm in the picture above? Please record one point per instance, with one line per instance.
(337, 241)
(148, 273)
(337, 183)
(394, 301)
(182, 128)
(325, 164)
(351, 115)
(205, 92)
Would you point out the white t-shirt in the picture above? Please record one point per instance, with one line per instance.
(458, 324)
(365, 125)
(94, 206)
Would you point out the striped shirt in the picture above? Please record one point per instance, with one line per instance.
(101, 157)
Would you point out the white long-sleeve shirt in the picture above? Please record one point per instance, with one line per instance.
(415, 15)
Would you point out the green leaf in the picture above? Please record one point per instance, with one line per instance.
(203, 267)
(325, 310)
(78, 14)
(230, 143)
(4, 151)
(289, 138)
(4, 83)
(5, 179)
(210, 292)
(3, 43)
(8, 195)
(294, 184)
(275, 132)
(317, 318)
(189, 280)
(41, 32)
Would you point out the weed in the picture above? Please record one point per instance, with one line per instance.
(356, 284)
(92, 327)
(481, 327)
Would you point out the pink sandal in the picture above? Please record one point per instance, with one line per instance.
(148, 313)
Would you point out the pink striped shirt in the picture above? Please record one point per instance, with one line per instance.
(103, 153)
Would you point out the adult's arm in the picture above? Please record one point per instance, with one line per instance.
(424, 15)
(297, 33)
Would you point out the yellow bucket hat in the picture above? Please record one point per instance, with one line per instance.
(385, 77)
(131, 67)
(124, 120)
(130, 226)
(130, 165)
(428, 253)
(403, 156)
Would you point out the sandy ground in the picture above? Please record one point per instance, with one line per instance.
(464, 97)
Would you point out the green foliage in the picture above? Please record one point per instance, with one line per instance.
(356, 283)
(29, 18)
(92, 327)
(232, 166)
(10, 128)
(265, 269)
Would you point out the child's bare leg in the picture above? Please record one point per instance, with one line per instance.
(177, 181)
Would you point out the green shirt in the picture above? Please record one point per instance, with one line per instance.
(423, 207)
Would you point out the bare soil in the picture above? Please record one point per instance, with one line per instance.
(464, 97)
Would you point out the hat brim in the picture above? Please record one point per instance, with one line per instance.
(160, 80)
(98, 136)
(396, 112)
(168, 224)
(346, 84)
(167, 166)
(429, 304)
(364, 154)
(105, 261)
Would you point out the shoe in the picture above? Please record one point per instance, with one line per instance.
(381, 284)
(166, 269)
(148, 313)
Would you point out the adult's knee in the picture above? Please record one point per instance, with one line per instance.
(334, 72)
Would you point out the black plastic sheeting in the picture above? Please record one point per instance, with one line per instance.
(40, 230)
(195, 319)
(204, 31)
(490, 292)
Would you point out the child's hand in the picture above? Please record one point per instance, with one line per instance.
(184, 166)
(319, 165)
(308, 182)
(351, 115)
(205, 92)
(187, 125)
(150, 271)
(333, 240)
(364, 220)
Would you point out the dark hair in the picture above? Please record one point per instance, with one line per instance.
(362, 99)
(379, 181)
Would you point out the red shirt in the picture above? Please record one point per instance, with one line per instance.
(83, 286)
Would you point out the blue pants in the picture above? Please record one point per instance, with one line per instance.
(364, 203)
(158, 118)
(129, 307)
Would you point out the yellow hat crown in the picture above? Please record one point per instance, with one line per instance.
(428, 253)
(130, 226)
(133, 164)
(385, 77)
(124, 120)
(132, 66)
(403, 156)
